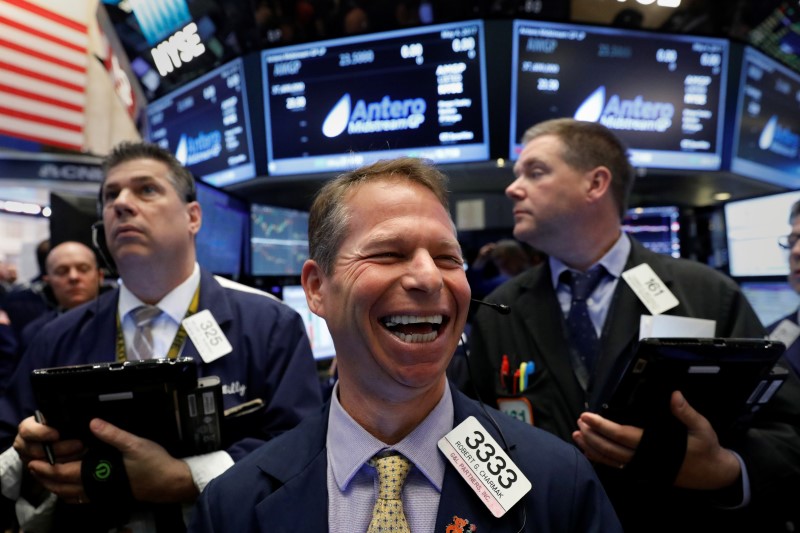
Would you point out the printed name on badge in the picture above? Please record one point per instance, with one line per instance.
(207, 336)
(649, 288)
(483, 464)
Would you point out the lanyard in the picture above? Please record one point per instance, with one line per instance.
(177, 343)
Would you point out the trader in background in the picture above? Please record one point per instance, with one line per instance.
(577, 322)
(150, 218)
(72, 273)
(787, 329)
(386, 273)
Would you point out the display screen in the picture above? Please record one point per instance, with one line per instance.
(657, 228)
(206, 125)
(753, 227)
(220, 241)
(661, 94)
(771, 300)
(767, 130)
(335, 105)
(316, 327)
(279, 241)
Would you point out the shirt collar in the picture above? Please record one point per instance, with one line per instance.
(614, 260)
(174, 303)
(350, 446)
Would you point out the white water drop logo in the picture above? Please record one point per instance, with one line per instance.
(338, 118)
(182, 152)
(768, 134)
(592, 108)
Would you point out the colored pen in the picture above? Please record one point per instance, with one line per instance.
(529, 369)
(48, 450)
(522, 376)
(515, 381)
(505, 369)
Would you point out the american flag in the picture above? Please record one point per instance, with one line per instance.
(43, 63)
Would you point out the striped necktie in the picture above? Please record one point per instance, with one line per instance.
(142, 345)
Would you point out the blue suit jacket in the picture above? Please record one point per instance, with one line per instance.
(271, 358)
(281, 487)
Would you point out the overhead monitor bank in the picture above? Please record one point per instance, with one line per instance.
(767, 129)
(335, 105)
(206, 124)
(663, 95)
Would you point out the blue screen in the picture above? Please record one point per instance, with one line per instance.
(207, 126)
(767, 129)
(335, 105)
(279, 241)
(657, 228)
(220, 242)
(663, 95)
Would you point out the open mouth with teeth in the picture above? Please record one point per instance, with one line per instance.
(411, 328)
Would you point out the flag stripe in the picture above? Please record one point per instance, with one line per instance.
(16, 92)
(41, 35)
(42, 12)
(8, 112)
(55, 73)
(43, 73)
(38, 89)
(34, 131)
(36, 107)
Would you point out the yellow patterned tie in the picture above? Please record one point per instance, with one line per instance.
(388, 516)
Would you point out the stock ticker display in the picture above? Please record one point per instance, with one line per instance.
(335, 105)
(206, 125)
(279, 240)
(767, 132)
(663, 95)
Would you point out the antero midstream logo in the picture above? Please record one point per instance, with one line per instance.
(632, 115)
(202, 147)
(778, 139)
(374, 117)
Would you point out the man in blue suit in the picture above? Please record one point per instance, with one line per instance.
(787, 329)
(150, 220)
(386, 273)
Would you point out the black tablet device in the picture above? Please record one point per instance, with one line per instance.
(143, 397)
(723, 379)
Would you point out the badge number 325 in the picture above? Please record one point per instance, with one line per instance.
(483, 464)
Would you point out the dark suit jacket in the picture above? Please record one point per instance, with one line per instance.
(281, 487)
(792, 354)
(535, 330)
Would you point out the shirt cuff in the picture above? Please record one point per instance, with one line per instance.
(745, 483)
(10, 474)
(206, 467)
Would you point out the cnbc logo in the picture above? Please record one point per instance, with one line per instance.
(374, 117)
(778, 139)
(616, 113)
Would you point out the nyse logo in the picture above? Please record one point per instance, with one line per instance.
(374, 117)
(180, 48)
(616, 113)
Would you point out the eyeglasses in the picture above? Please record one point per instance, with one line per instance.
(787, 242)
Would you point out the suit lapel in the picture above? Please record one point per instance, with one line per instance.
(298, 472)
(99, 332)
(546, 326)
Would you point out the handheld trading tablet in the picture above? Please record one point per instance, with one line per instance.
(723, 379)
(151, 399)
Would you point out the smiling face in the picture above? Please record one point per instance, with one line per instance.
(397, 299)
(144, 216)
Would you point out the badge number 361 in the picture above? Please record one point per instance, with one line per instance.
(484, 465)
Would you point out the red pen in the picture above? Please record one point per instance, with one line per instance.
(504, 371)
(515, 381)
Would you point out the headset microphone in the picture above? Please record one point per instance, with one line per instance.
(500, 308)
(99, 245)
